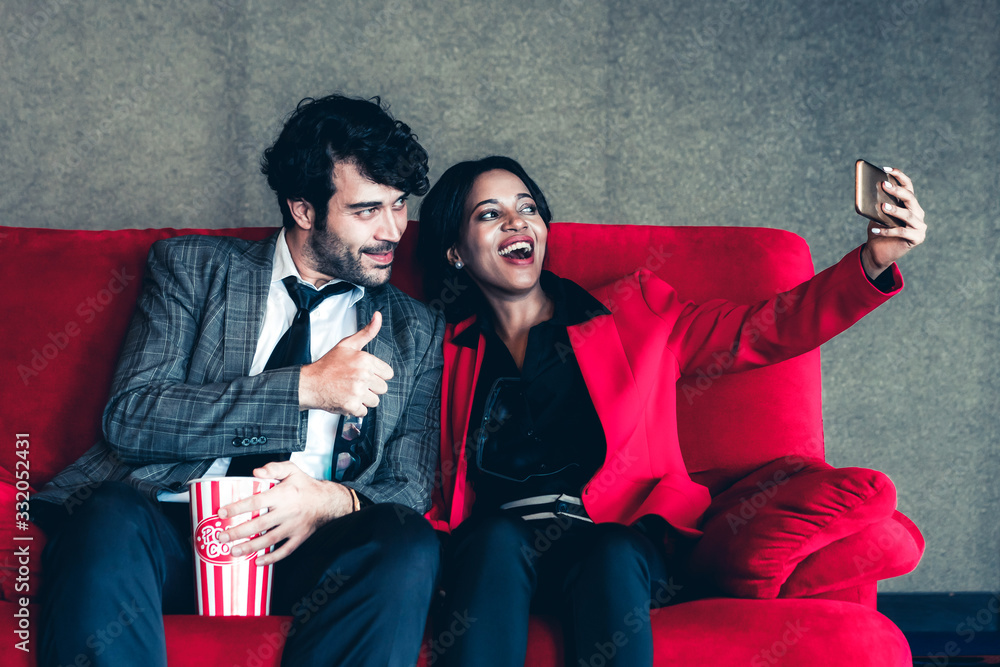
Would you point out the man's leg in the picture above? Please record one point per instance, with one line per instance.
(110, 569)
(359, 589)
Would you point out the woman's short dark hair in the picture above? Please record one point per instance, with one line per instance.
(441, 215)
(322, 132)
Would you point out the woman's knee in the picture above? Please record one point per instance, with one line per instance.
(614, 549)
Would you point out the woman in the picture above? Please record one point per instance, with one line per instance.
(563, 485)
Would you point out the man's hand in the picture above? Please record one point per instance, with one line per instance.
(346, 380)
(296, 508)
(888, 244)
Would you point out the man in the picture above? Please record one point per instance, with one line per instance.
(233, 361)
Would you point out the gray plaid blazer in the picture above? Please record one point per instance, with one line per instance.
(181, 396)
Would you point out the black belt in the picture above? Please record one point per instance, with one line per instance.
(548, 507)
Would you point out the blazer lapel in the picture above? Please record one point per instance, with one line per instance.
(608, 375)
(385, 415)
(248, 282)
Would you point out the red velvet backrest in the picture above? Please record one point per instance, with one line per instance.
(68, 297)
(728, 424)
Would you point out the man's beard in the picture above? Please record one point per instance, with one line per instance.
(330, 256)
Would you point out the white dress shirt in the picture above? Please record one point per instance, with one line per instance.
(331, 321)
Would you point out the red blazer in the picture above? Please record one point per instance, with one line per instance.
(631, 361)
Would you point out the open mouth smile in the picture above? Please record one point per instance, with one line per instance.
(519, 250)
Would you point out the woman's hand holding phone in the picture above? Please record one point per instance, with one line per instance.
(887, 244)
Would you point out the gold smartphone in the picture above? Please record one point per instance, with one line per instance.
(869, 195)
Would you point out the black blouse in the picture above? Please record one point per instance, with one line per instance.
(534, 431)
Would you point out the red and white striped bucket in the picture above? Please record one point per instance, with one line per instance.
(227, 585)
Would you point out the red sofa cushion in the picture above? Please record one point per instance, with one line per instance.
(760, 529)
(765, 633)
(719, 631)
(193, 641)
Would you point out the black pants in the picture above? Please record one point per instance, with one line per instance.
(359, 588)
(600, 579)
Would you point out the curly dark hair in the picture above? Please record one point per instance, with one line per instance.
(441, 215)
(322, 132)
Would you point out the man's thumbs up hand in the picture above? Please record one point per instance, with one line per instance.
(358, 340)
(346, 380)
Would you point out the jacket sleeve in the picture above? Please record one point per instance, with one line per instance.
(154, 415)
(740, 337)
(407, 472)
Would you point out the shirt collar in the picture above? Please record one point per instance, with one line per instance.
(573, 305)
(283, 266)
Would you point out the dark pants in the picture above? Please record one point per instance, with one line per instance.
(600, 580)
(359, 588)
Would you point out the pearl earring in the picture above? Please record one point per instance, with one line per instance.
(459, 265)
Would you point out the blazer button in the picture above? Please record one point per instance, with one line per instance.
(246, 442)
(236, 442)
(263, 440)
(254, 440)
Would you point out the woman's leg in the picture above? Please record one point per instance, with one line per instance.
(489, 578)
(618, 574)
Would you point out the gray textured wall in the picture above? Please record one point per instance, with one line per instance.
(123, 114)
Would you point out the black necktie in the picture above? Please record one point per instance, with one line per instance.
(292, 349)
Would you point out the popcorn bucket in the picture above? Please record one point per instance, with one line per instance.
(227, 585)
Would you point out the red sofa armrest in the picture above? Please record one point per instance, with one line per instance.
(885, 549)
(758, 531)
(19, 574)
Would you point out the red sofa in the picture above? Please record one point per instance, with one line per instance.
(793, 548)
